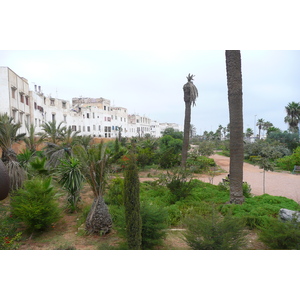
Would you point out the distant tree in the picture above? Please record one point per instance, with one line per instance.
(176, 134)
(235, 100)
(190, 95)
(293, 116)
(267, 125)
(260, 123)
(132, 204)
(249, 133)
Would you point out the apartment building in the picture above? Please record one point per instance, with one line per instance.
(89, 116)
(15, 97)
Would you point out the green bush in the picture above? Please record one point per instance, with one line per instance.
(288, 162)
(153, 224)
(225, 186)
(154, 221)
(200, 164)
(280, 235)
(114, 195)
(36, 204)
(215, 232)
(260, 210)
(179, 182)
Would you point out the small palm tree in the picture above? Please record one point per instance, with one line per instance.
(31, 140)
(293, 116)
(95, 167)
(190, 95)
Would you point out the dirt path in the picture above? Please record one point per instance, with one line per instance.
(277, 183)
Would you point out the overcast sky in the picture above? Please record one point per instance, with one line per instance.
(150, 82)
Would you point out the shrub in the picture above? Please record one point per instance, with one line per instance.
(114, 195)
(200, 164)
(179, 182)
(260, 210)
(153, 225)
(280, 235)
(215, 232)
(225, 186)
(36, 204)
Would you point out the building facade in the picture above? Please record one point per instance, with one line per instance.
(89, 116)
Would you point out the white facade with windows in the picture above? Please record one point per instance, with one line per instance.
(89, 116)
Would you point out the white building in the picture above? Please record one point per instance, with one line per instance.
(90, 116)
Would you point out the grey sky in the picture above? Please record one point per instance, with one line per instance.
(150, 82)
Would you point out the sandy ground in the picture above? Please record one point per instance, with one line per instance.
(276, 183)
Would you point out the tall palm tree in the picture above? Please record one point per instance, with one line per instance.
(95, 167)
(260, 124)
(9, 136)
(293, 116)
(235, 100)
(190, 95)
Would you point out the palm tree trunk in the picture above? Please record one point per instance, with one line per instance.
(186, 136)
(98, 220)
(235, 99)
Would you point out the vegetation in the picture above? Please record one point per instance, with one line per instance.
(215, 232)
(36, 204)
(132, 205)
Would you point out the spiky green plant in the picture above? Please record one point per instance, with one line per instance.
(71, 179)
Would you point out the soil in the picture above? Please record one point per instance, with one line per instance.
(67, 233)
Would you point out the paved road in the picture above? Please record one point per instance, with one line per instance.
(277, 184)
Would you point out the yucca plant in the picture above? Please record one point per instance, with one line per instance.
(71, 179)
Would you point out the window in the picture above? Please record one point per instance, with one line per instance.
(52, 102)
(64, 105)
(13, 92)
(83, 128)
(27, 100)
(93, 115)
(104, 107)
(35, 122)
(73, 127)
(35, 105)
(94, 127)
(53, 117)
(79, 128)
(88, 129)
(22, 97)
(99, 127)
(21, 117)
(88, 115)
(65, 118)
(14, 114)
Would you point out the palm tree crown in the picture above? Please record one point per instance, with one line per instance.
(293, 116)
